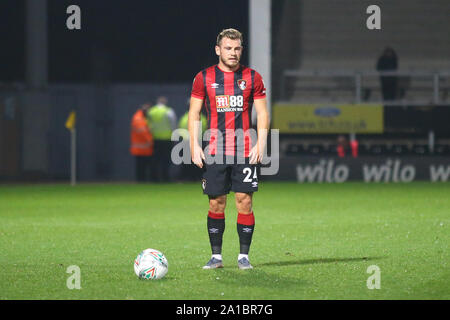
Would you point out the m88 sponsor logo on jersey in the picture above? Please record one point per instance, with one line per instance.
(227, 103)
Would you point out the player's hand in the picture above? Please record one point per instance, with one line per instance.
(255, 156)
(198, 156)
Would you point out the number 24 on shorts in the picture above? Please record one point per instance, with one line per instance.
(248, 173)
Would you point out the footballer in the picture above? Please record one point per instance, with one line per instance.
(228, 91)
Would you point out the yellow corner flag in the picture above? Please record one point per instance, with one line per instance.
(71, 120)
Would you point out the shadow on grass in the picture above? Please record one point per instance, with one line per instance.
(260, 278)
(316, 261)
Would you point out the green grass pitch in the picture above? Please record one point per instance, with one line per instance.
(311, 241)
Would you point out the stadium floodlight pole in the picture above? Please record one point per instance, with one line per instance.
(358, 81)
(436, 88)
(260, 34)
(431, 141)
(36, 44)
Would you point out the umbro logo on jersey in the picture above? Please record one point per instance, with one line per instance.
(247, 230)
(214, 85)
(254, 184)
(213, 230)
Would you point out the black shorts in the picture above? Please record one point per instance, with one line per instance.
(220, 179)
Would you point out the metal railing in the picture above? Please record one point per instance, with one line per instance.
(437, 83)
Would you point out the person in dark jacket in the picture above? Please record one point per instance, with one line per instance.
(388, 61)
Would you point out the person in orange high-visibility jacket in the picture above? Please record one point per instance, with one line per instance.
(141, 143)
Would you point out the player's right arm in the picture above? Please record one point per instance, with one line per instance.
(194, 127)
(194, 120)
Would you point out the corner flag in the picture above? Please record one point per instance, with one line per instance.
(71, 120)
(70, 124)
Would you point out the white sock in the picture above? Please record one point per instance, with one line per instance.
(217, 256)
(240, 256)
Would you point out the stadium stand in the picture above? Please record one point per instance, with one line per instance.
(336, 59)
(336, 49)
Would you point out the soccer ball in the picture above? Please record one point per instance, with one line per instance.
(151, 264)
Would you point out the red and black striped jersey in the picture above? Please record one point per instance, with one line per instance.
(228, 100)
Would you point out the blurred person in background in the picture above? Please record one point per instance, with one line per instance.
(344, 147)
(141, 146)
(189, 172)
(388, 61)
(162, 121)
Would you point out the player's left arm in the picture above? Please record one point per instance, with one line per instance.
(262, 117)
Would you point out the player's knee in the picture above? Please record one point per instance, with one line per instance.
(244, 203)
(217, 204)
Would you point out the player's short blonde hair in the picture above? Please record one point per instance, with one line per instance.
(230, 33)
